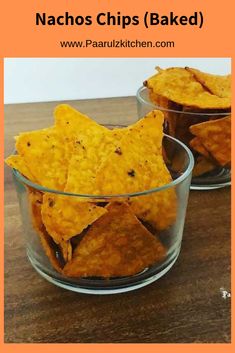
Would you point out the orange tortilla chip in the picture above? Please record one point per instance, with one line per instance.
(158, 209)
(18, 163)
(85, 162)
(87, 144)
(139, 152)
(116, 245)
(203, 166)
(35, 202)
(170, 110)
(136, 165)
(43, 153)
(196, 144)
(215, 135)
(67, 216)
(46, 242)
(216, 84)
(78, 129)
(66, 250)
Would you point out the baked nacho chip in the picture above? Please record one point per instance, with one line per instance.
(137, 153)
(170, 109)
(87, 144)
(48, 247)
(35, 202)
(203, 166)
(196, 144)
(67, 216)
(217, 84)
(18, 163)
(215, 135)
(43, 153)
(158, 209)
(116, 245)
(139, 166)
(78, 129)
(66, 250)
(85, 162)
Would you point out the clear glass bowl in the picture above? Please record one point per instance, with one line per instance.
(216, 178)
(170, 236)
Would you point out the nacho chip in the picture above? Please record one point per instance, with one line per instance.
(215, 135)
(181, 87)
(78, 129)
(138, 153)
(47, 245)
(158, 209)
(66, 250)
(35, 202)
(18, 163)
(67, 216)
(216, 84)
(43, 153)
(87, 145)
(170, 110)
(160, 101)
(139, 166)
(203, 166)
(196, 144)
(85, 162)
(116, 245)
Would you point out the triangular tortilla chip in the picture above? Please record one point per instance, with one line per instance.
(202, 166)
(196, 144)
(78, 129)
(116, 245)
(139, 166)
(18, 163)
(43, 153)
(216, 84)
(87, 144)
(215, 135)
(67, 216)
(133, 166)
(35, 202)
(171, 111)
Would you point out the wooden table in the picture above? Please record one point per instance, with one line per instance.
(184, 306)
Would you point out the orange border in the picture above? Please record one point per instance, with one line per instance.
(116, 348)
(20, 40)
(1, 206)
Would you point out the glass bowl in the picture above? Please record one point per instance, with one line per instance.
(170, 200)
(217, 177)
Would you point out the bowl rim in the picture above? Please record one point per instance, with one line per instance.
(154, 106)
(173, 183)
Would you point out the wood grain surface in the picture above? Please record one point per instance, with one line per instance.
(186, 305)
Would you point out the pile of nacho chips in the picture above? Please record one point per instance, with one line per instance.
(198, 107)
(87, 236)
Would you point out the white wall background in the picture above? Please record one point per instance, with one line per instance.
(55, 79)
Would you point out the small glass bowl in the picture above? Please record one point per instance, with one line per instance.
(170, 236)
(214, 179)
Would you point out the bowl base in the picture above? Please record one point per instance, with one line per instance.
(216, 179)
(96, 291)
(209, 187)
